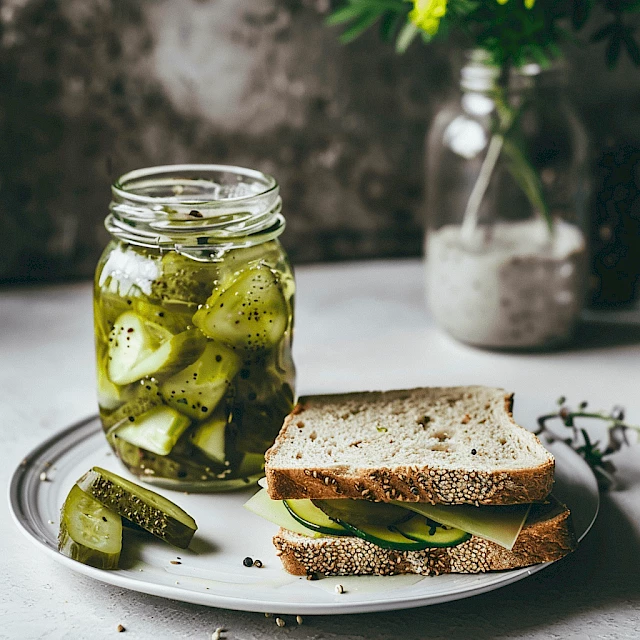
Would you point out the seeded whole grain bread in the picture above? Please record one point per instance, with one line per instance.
(447, 445)
(547, 535)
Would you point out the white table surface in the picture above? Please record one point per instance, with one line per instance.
(358, 326)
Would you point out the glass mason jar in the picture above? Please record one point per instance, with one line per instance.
(193, 313)
(505, 247)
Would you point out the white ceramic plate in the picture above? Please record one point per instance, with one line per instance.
(211, 572)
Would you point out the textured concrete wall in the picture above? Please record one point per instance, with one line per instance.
(92, 88)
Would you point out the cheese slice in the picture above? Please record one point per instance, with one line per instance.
(499, 524)
(275, 511)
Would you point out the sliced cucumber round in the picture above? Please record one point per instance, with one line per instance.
(384, 537)
(434, 534)
(89, 532)
(156, 430)
(362, 512)
(251, 313)
(306, 513)
(148, 509)
(196, 390)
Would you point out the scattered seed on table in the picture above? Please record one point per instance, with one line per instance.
(280, 622)
(217, 634)
(299, 619)
(257, 563)
(339, 588)
(268, 615)
(248, 561)
(44, 477)
(175, 562)
(120, 628)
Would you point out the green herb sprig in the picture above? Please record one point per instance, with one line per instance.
(594, 455)
(513, 32)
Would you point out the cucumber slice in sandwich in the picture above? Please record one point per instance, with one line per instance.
(89, 532)
(361, 513)
(147, 509)
(307, 514)
(385, 537)
(432, 533)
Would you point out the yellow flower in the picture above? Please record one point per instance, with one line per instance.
(527, 3)
(426, 14)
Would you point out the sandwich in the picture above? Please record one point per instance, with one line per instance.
(426, 481)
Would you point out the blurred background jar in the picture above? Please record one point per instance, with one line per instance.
(507, 189)
(193, 303)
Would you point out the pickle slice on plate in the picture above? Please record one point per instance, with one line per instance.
(89, 532)
(144, 507)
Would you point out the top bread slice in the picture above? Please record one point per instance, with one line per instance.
(443, 445)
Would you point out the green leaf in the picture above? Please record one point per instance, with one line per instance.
(359, 26)
(406, 36)
(632, 47)
(613, 50)
(389, 24)
(604, 32)
(526, 176)
(345, 14)
(581, 13)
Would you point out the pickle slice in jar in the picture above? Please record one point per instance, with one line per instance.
(196, 390)
(184, 282)
(109, 394)
(156, 430)
(145, 396)
(252, 464)
(250, 313)
(209, 437)
(131, 340)
(89, 532)
(175, 321)
(148, 509)
(140, 348)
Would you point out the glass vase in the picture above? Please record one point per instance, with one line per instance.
(505, 246)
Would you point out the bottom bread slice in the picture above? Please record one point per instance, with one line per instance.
(546, 536)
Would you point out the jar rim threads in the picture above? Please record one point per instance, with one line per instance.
(190, 205)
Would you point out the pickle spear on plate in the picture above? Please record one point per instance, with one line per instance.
(89, 532)
(147, 509)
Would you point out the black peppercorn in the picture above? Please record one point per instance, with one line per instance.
(248, 562)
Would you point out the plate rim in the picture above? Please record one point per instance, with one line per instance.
(389, 603)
